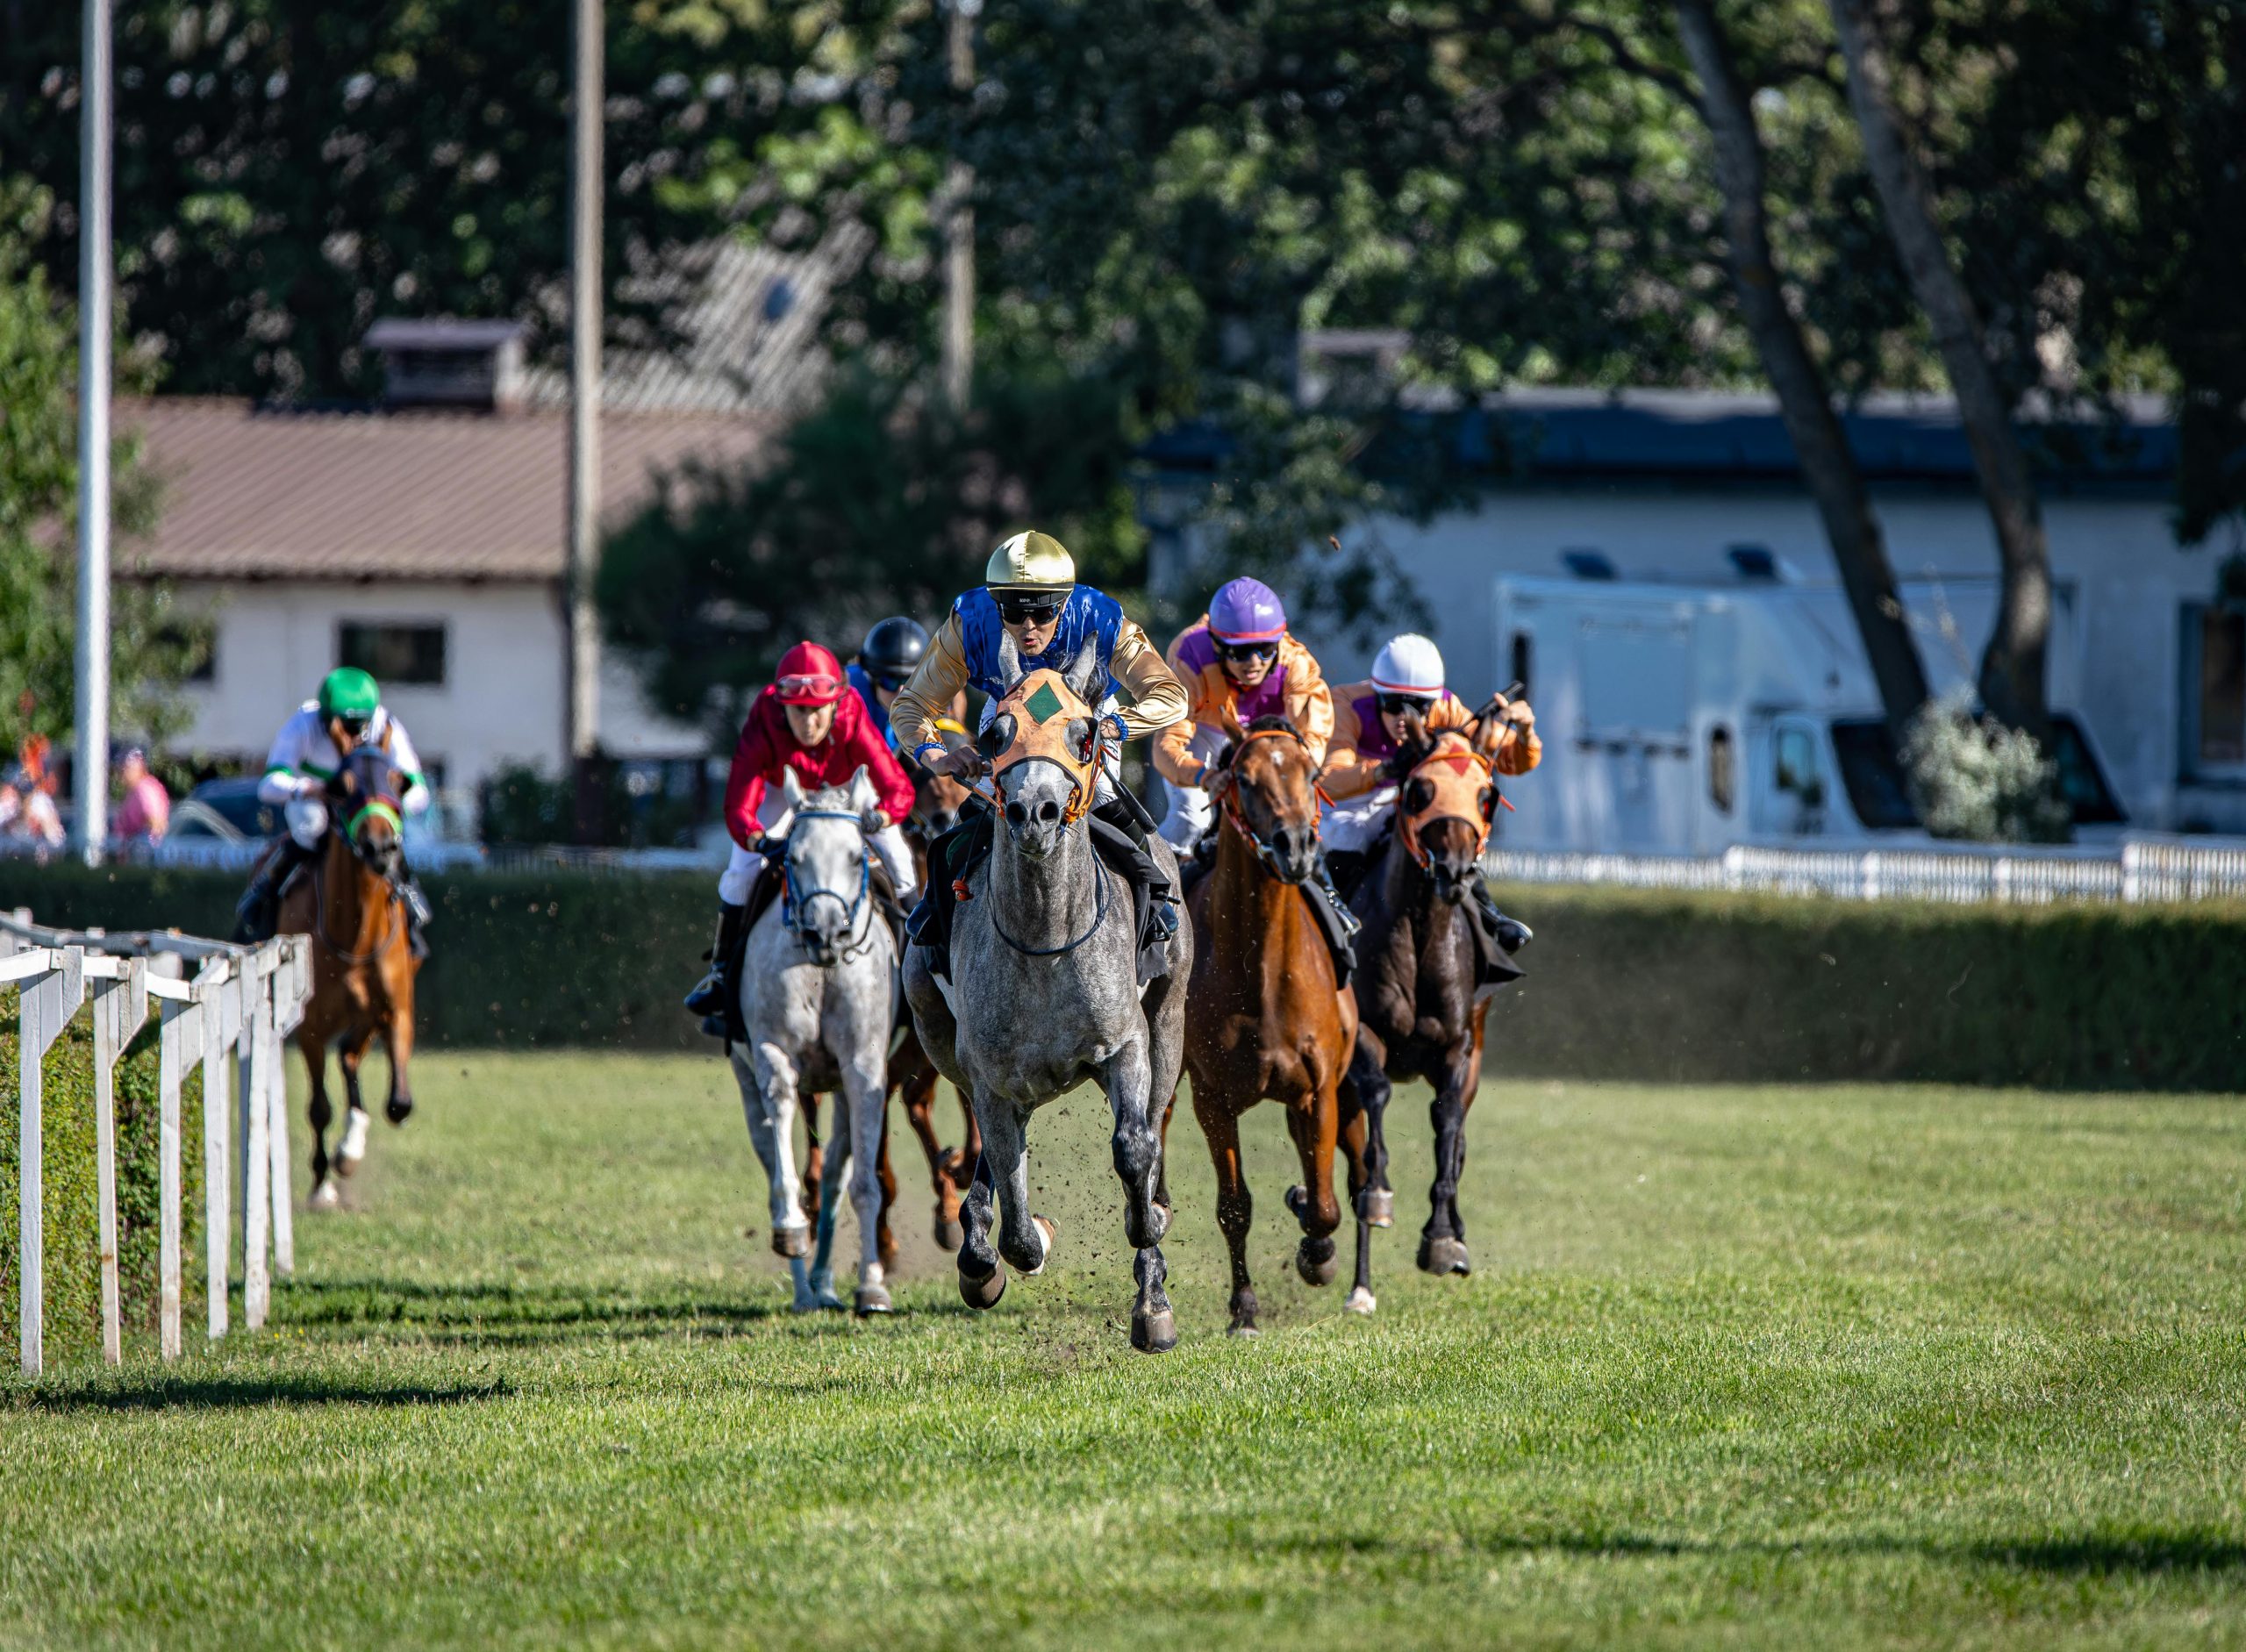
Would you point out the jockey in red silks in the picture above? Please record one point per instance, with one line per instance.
(806, 721)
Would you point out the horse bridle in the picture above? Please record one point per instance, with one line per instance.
(1449, 748)
(1228, 788)
(384, 805)
(794, 900)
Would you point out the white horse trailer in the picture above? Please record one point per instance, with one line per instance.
(1680, 719)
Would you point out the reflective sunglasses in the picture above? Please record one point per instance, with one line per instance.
(1396, 704)
(825, 687)
(354, 726)
(1246, 651)
(1018, 608)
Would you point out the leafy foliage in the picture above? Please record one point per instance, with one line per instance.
(152, 648)
(1971, 777)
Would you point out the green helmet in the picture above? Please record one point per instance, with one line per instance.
(347, 691)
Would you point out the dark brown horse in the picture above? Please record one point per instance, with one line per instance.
(363, 965)
(1420, 1007)
(1265, 1019)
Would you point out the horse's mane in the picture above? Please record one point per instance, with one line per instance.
(1272, 722)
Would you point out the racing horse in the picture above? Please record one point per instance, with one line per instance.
(1044, 992)
(818, 999)
(1266, 1017)
(1420, 1008)
(348, 901)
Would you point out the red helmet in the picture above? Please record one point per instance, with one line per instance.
(809, 675)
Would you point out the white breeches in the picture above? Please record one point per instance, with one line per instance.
(1353, 823)
(888, 845)
(307, 819)
(1189, 805)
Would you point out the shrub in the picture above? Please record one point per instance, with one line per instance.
(1973, 778)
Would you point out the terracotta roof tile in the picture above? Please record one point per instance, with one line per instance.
(253, 493)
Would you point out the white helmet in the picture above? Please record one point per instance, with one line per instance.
(1409, 664)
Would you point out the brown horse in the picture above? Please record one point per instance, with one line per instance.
(1265, 1017)
(363, 966)
(1422, 1006)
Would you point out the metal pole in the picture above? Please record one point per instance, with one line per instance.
(91, 773)
(584, 385)
(959, 225)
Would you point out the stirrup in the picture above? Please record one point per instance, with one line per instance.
(708, 997)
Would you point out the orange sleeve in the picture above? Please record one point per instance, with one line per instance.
(1172, 752)
(1311, 703)
(1347, 774)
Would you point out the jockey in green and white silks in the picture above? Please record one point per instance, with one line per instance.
(306, 754)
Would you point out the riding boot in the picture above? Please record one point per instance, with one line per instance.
(417, 911)
(1510, 933)
(258, 913)
(1496, 938)
(716, 990)
(1324, 883)
(1130, 820)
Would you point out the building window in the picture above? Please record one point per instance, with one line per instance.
(1723, 774)
(1524, 656)
(2215, 690)
(408, 654)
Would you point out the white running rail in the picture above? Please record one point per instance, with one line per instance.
(241, 1001)
(2132, 871)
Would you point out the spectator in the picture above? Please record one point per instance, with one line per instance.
(41, 821)
(146, 808)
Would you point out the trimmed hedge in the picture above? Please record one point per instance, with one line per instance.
(1622, 983)
(73, 1277)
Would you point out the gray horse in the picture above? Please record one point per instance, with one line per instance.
(1044, 993)
(819, 998)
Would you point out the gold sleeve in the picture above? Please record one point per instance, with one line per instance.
(936, 685)
(1157, 698)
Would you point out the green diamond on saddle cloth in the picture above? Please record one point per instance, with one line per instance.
(1043, 704)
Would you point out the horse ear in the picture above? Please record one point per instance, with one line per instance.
(1081, 671)
(865, 800)
(1415, 727)
(1010, 671)
(792, 788)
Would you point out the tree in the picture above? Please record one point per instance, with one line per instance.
(151, 649)
(2013, 670)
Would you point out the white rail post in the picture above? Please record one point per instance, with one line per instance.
(252, 1048)
(222, 1013)
(281, 994)
(179, 1046)
(120, 1006)
(43, 1008)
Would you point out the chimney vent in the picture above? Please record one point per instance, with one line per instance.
(474, 365)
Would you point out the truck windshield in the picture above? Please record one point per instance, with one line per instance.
(1874, 777)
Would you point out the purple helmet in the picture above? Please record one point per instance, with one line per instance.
(1246, 610)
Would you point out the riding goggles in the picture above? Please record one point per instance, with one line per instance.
(1029, 607)
(1244, 652)
(354, 726)
(809, 689)
(1396, 704)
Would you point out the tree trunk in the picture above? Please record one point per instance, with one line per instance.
(1804, 402)
(2013, 668)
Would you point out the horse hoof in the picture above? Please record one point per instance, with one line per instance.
(791, 1241)
(1377, 1207)
(949, 1234)
(1443, 1257)
(398, 1108)
(325, 1198)
(1360, 1300)
(870, 1300)
(354, 1143)
(1154, 1333)
(1244, 1329)
(984, 1293)
(1045, 1225)
(827, 1302)
(1316, 1270)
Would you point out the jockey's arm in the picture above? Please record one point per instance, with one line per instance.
(752, 756)
(399, 744)
(1172, 751)
(1309, 702)
(1519, 748)
(937, 683)
(1157, 698)
(1347, 772)
(284, 779)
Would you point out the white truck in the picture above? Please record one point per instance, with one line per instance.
(1681, 719)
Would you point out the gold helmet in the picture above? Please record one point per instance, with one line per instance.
(1031, 561)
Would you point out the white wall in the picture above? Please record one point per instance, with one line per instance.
(2121, 555)
(501, 701)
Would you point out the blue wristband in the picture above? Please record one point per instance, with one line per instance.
(1114, 721)
(921, 752)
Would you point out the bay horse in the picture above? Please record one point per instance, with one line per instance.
(363, 967)
(1420, 1008)
(1044, 992)
(1266, 1017)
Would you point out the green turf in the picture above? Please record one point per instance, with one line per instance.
(1738, 1366)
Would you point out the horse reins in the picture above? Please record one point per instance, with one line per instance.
(1230, 793)
(1453, 751)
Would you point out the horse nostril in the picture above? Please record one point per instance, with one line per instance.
(1016, 815)
(1048, 811)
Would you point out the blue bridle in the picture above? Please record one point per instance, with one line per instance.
(793, 899)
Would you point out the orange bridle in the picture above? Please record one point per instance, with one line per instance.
(1458, 775)
(1042, 705)
(1226, 786)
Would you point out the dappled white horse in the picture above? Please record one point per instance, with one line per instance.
(819, 998)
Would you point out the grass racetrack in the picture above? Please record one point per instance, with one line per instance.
(1737, 1367)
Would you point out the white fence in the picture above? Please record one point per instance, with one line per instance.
(2135, 871)
(241, 1001)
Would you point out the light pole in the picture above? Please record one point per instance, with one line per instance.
(959, 225)
(586, 163)
(91, 772)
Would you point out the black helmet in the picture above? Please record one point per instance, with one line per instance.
(893, 648)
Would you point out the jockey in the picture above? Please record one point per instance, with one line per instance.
(1238, 663)
(807, 722)
(1363, 768)
(307, 754)
(1030, 606)
(891, 652)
